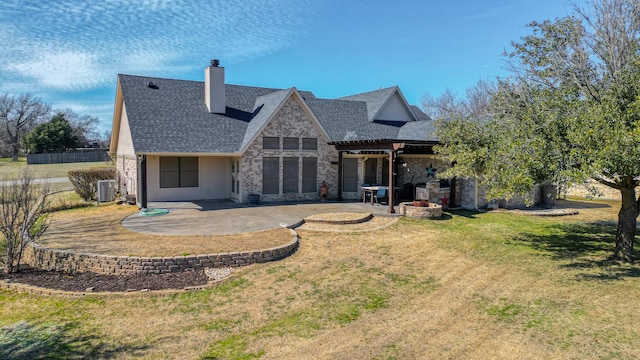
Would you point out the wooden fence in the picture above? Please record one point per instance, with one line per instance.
(92, 155)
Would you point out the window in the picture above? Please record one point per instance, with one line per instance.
(309, 144)
(176, 172)
(371, 171)
(309, 175)
(350, 175)
(385, 172)
(290, 175)
(270, 175)
(290, 143)
(169, 172)
(271, 143)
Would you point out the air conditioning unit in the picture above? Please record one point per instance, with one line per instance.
(106, 190)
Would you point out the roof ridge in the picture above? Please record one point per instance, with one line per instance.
(347, 97)
(201, 82)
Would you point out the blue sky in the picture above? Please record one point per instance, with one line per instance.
(68, 52)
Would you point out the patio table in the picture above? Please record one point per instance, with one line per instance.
(373, 191)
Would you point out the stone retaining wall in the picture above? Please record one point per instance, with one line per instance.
(60, 260)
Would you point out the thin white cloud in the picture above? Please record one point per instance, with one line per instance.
(73, 49)
(65, 70)
(77, 45)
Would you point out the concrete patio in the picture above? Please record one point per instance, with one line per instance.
(221, 217)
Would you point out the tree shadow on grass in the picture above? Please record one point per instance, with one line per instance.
(586, 247)
(579, 204)
(464, 213)
(23, 341)
(445, 216)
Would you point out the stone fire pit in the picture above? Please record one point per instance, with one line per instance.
(433, 211)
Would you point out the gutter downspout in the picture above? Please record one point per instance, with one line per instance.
(143, 181)
(340, 175)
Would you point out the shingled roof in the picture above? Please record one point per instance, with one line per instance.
(171, 116)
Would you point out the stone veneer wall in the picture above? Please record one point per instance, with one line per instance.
(291, 121)
(59, 260)
(467, 194)
(467, 187)
(127, 174)
(415, 170)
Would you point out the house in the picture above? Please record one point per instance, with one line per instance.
(177, 140)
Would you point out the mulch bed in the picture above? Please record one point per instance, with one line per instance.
(81, 282)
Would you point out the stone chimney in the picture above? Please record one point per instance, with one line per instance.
(214, 88)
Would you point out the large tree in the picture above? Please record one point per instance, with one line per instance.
(18, 115)
(55, 135)
(570, 111)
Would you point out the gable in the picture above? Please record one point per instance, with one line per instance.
(117, 115)
(265, 106)
(395, 109)
(374, 100)
(288, 116)
(290, 121)
(385, 105)
(125, 141)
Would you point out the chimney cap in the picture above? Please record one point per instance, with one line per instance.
(215, 62)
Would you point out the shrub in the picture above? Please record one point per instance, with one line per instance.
(85, 182)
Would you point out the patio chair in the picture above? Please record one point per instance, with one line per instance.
(363, 196)
(382, 196)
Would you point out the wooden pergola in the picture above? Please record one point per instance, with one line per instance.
(390, 146)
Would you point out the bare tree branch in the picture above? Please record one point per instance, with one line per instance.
(18, 115)
(23, 219)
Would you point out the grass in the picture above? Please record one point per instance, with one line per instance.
(10, 169)
(8, 159)
(64, 198)
(475, 285)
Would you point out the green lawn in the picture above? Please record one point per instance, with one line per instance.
(64, 197)
(10, 169)
(470, 286)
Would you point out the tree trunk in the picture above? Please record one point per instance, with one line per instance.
(7, 268)
(627, 218)
(16, 150)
